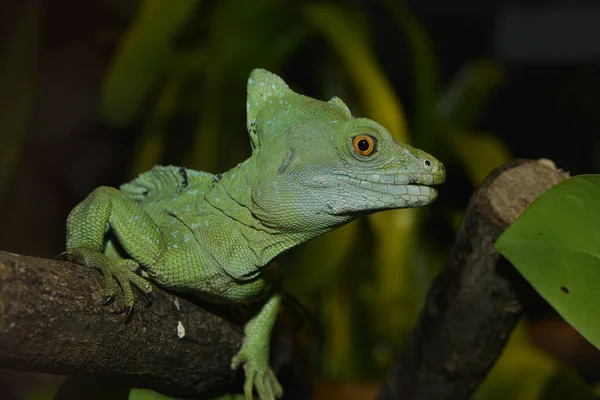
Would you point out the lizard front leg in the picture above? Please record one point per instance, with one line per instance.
(254, 353)
(108, 208)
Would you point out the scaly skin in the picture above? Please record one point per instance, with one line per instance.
(313, 168)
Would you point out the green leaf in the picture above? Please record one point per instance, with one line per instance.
(555, 244)
(142, 57)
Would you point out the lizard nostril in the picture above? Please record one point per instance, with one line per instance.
(427, 163)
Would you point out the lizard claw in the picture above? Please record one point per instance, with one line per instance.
(63, 256)
(128, 314)
(108, 300)
(114, 271)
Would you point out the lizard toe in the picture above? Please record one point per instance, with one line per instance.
(121, 271)
(259, 376)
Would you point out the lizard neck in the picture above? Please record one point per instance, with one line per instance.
(255, 239)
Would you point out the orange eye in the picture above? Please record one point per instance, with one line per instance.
(364, 145)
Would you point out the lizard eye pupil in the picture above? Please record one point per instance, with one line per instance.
(364, 145)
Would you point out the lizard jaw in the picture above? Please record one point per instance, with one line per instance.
(367, 193)
(414, 187)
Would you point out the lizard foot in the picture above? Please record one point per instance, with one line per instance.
(258, 374)
(114, 271)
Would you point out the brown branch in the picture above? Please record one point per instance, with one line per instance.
(51, 321)
(475, 303)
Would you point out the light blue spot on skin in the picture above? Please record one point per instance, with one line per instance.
(187, 207)
(250, 80)
(192, 192)
(195, 225)
(175, 246)
(186, 238)
(217, 199)
(173, 222)
(206, 223)
(132, 219)
(157, 241)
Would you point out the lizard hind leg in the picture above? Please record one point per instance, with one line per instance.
(107, 208)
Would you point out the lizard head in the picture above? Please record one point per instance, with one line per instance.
(316, 159)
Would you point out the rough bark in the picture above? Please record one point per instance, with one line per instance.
(476, 301)
(51, 320)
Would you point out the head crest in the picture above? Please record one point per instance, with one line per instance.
(340, 105)
(263, 88)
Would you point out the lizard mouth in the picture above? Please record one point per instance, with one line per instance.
(414, 189)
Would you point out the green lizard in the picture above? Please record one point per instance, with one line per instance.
(313, 168)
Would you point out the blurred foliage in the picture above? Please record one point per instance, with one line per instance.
(457, 110)
(44, 394)
(567, 384)
(145, 394)
(141, 57)
(177, 78)
(521, 373)
(17, 85)
(560, 256)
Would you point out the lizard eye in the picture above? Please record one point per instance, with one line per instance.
(363, 145)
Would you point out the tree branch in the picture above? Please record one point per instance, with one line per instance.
(476, 301)
(51, 321)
